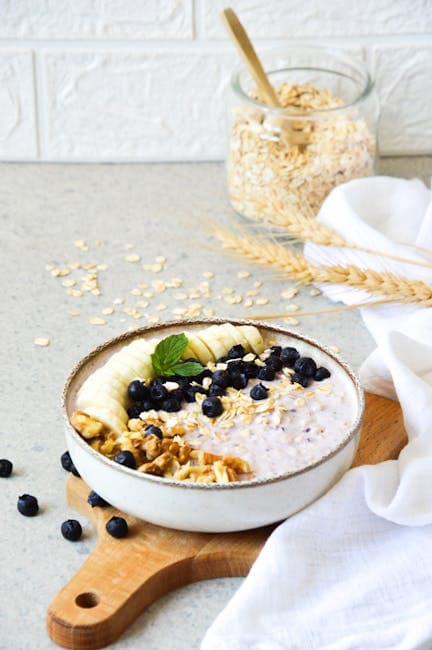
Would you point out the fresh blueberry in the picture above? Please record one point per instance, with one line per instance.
(235, 366)
(96, 501)
(68, 465)
(221, 378)
(177, 394)
(276, 350)
(126, 458)
(183, 382)
(299, 379)
(138, 391)
(267, 373)
(205, 373)
(117, 527)
(250, 369)
(71, 530)
(289, 356)
(216, 391)
(236, 352)
(171, 405)
(239, 380)
(134, 411)
(259, 392)
(212, 407)
(321, 373)
(222, 359)
(191, 393)
(158, 392)
(28, 505)
(5, 468)
(153, 430)
(274, 362)
(305, 366)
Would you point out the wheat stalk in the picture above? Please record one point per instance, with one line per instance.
(305, 228)
(295, 266)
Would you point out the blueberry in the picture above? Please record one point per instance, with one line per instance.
(276, 350)
(235, 367)
(216, 391)
(205, 373)
(320, 374)
(5, 468)
(171, 405)
(117, 527)
(134, 411)
(236, 352)
(68, 465)
(28, 505)
(153, 430)
(305, 366)
(222, 359)
(259, 392)
(250, 369)
(289, 356)
(267, 373)
(239, 380)
(138, 391)
(126, 458)
(158, 392)
(221, 378)
(96, 501)
(212, 407)
(183, 382)
(191, 393)
(299, 379)
(274, 362)
(71, 530)
(177, 394)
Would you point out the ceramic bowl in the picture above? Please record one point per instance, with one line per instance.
(209, 507)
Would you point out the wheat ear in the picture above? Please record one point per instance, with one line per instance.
(295, 266)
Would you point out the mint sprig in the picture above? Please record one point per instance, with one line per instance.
(166, 359)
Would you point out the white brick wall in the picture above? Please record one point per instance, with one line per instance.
(126, 80)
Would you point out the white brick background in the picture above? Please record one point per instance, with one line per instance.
(138, 80)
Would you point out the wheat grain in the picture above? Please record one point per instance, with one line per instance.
(295, 266)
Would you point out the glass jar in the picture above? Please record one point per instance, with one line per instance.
(283, 161)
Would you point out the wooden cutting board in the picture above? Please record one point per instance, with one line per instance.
(122, 577)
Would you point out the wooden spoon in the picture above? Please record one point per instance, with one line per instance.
(244, 44)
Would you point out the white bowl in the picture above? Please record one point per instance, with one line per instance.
(199, 506)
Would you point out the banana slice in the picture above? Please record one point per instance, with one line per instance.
(213, 343)
(223, 334)
(237, 335)
(253, 335)
(101, 399)
(198, 349)
(109, 418)
(103, 379)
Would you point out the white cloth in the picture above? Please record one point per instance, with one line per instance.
(353, 571)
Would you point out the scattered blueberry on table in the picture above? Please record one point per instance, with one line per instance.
(71, 530)
(117, 527)
(68, 465)
(6, 468)
(28, 505)
(96, 501)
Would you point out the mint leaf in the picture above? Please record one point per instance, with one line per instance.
(168, 353)
(188, 369)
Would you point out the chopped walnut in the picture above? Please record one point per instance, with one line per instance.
(86, 425)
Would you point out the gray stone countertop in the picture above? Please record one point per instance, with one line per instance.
(162, 210)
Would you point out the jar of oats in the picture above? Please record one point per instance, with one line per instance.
(283, 161)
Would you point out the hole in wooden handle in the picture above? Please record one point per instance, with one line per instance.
(87, 600)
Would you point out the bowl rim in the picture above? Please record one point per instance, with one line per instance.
(160, 480)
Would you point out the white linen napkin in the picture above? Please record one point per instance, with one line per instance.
(353, 571)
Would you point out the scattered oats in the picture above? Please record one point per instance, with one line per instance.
(161, 307)
(74, 265)
(228, 290)
(69, 282)
(258, 362)
(248, 302)
(159, 285)
(118, 301)
(98, 243)
(63, 272)
(299, 402)
(171, 385)
(289, 293)
(314, 292)
(81, 244)
(73, 312)
(262, 301)
(243, 275)
(136, 292)
(132, 257)
(291, 321)
(148, 294)
(147, 267)
(174, 283)
(42, 342)
(334, 349)
(233, 300)
(153, 319)
(161, 259)
(142, 303)
(249, 357)
(103, 267)
(208, 274)
(179, 311)
(129, 246)
(107, 311)
(156, 268)
(96, 292)
(76, 293)
(181, 296)
(309, 394)
(257, 284)
(97, 321)
(292, 308)
(143, 285)
(252, 292)
(208, 312)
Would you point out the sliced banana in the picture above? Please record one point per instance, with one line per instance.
(109, 418)
(198, 349)
(101, 399)
(213, 343)
(237, 335)
(103, 378)
(253, 335)
(223, 334)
